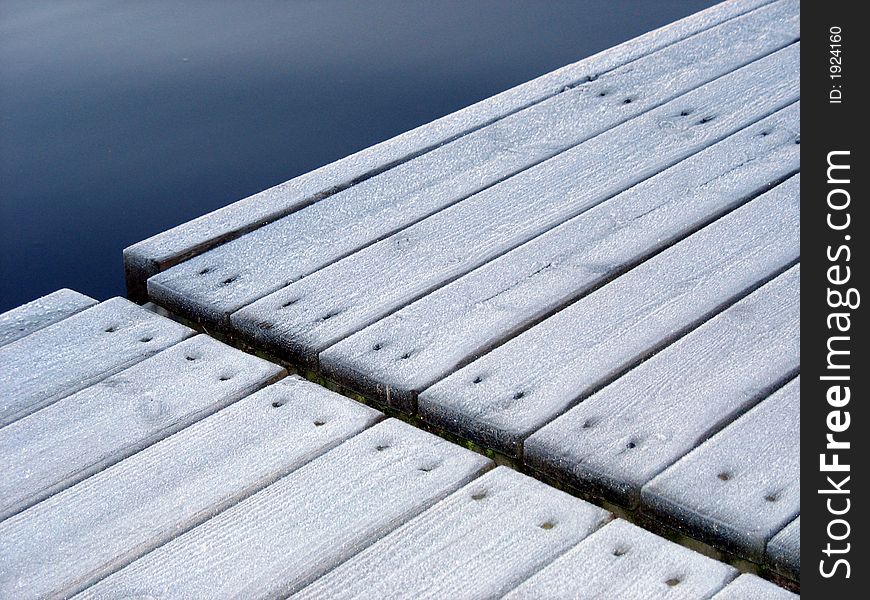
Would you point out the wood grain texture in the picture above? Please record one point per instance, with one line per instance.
(753, 587)
(626, 562)
(92, 429)
(784, 550)
(742, 485)
(395, 358)
(77, 352)
(617, 440)
(42, 312)
(285, 536)
(503, 397)
(73, 539)
(478, 543)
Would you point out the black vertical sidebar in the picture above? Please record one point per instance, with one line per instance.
(835, 433)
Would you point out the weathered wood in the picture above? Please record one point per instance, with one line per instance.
(84, 433)
(479, 543)
(449, 327)
(211, 286)
(300, 320)
(77, 352)
(79, 536)
(742, 485)
(503, 397)
(161, 251)
(42, 312)
(753, 587)
(624, 561)
(285, 536)
(620, 438)
(784, 550)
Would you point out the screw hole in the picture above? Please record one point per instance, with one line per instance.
(277, 404)
(319, 423)
(685, 113)
(705, 120)
(377, 347)
(406, 356)
(146, 339)
(619, 552)
(204, 271)
(225, 377)
(798, 141)
(478, 379)
(631, 445)
(190, 358)
(724, 476)
(771, 497)
(111, 329)
(519, 395)
(587, 424)
(627, 101)
(548, 525)
(602, 94)
(229, 280)
(381, 448)
(478, 496)
(289, 303)
(673, 581)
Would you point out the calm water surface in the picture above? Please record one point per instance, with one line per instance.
(122, 119)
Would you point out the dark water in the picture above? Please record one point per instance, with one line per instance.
(121, 119)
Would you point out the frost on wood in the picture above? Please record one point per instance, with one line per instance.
(617, 440)
(86, 532)
(42, 312)
(285, 536)
(83, 433)
(155, 254)
(79, 351)
(753, 587)
(397, 357)
(624, 561)
(784, 550)
(507, 394)
(742, 485)
(478, 543)
(211, 286)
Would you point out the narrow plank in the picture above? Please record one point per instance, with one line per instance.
(42, 312)
(84, 433)
(753, 587)
(79, 351)
(449, 327)
(163, 250)
(285, 536)
(624, 561)
(784, 550)
(741, 486)
(75, 538)
(616, 441)
(506, 395)
(321, 309)
(211, 286)
(478, 543)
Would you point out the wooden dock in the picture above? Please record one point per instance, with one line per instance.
(593, 277)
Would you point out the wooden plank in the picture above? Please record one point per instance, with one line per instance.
(335, 302)
(784, 550)
(84, 433)
(82, 534)
(753, 587)
(211, 286)
(449, 327)
(161, 251)
(42, 312)
(742, 485)
(506, 395)
(79, 351)
(616, 441)
(480, 542)
(285, 536)
(624, 561)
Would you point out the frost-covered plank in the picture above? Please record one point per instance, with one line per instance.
(79, 351)
(84, 533)
(753, 587)
(784, 550)
(503, 397)
(427, 340)
(742, 485)
(478, 543)
(624, 561)
(211, 286)
(304, 318)
(285, 536)
(84, 433)
(617, 440)
(157, 253)
(42, 312)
